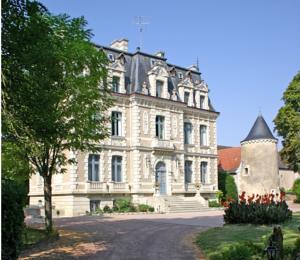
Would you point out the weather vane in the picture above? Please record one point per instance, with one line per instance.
(140, 22)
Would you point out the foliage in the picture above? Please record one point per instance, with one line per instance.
(124, 205)
(107, 209)
(213, 204)
(257, 209)
(287, 124)
(32, 236)
(239, 251)
(12, 218)
(227, 185)
(54, 88)
(98, 211)
(151, 209)
(219, 195)
(220, 239)
(296, 190)
(143, 207)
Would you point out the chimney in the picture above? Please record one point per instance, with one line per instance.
(160, 54)
(193, 68)
(121, 45)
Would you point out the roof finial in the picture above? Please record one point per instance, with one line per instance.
(259, 111)
(197, 63)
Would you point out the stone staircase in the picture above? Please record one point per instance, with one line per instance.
(183, 204)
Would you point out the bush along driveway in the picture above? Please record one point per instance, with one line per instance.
(246, 241)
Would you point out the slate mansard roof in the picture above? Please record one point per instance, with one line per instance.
(138, 64)
(259, 130)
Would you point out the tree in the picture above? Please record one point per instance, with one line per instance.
(55, 92)
(287, 124)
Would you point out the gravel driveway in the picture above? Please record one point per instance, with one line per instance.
(145, 237)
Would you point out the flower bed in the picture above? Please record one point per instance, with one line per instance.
(257, 209)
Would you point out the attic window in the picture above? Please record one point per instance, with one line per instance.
(111, 57)
(180, 75)
(153, 62)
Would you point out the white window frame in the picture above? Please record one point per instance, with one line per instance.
(160, 127)
(92, 174)
(116, 84)
(203, 140)
(202, 101)
(204, 180)
(180, 75)
(188, 136)
(116, 123)
(116, 176)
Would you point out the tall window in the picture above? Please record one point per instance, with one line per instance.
(116, 84)
(116, 169)
(93, 167)
(203, 172)
(202, 100)
(159, 126)
(188, 172)
(116, 123)
(187, 133)
(159, 88)
(203, 135)
(186, 97)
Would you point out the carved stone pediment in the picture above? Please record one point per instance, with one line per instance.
(202, 86)
(159, 70)
(121, 58)
(117, 65)
(186, 82)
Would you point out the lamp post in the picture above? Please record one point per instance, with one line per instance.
(271, 252)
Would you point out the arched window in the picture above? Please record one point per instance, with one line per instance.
(93, 167)
(116, 168)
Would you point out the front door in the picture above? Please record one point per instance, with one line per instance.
(160, 177)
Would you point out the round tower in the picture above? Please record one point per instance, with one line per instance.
(259, 160)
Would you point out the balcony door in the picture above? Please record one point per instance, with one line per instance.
(160, 177)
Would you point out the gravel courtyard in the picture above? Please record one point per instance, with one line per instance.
(117, 237)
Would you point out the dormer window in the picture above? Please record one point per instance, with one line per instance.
(186, 97)
(180, 75)
(202, 101)
(159, 88)
(111, 57)
(116, 84)
(153, 62)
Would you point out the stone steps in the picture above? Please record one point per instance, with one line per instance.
(177, 204)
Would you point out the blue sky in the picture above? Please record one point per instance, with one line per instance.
(248, 51)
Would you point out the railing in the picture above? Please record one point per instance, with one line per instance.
(190, 187)
(118, 187)
(163, 144)
(207, 187)
(96, 186)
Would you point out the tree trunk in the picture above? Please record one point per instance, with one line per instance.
(48, 203)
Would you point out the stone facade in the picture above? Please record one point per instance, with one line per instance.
(149, 155)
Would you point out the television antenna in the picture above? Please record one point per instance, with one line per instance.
(140, 23)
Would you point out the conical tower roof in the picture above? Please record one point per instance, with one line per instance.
(259, 130)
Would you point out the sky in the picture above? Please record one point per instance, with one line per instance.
(248, 51)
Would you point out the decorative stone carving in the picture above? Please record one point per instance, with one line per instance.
(145, 89)
(146, 122)
(174, 95)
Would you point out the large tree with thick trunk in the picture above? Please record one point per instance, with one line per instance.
(54, 88)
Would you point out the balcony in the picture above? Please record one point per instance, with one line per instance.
(205, 188)
(119, 187)
(96, 186)
(160, 144)
(190, 187)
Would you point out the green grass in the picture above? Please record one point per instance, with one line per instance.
(218, 239)
(32, 236)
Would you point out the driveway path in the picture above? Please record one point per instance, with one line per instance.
(118, 237)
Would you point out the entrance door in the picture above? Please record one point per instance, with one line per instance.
(160, 177)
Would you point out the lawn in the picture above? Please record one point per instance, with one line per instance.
(218, 239)
(32, 236)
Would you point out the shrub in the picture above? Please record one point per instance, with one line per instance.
(107, 209)
(98, 211)
(296, 190)
(143, 207)
(151, 209)
(12, 224)
(123, 205)
(241, 251)
(227, 185)
(257, 210)
(213, 204)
